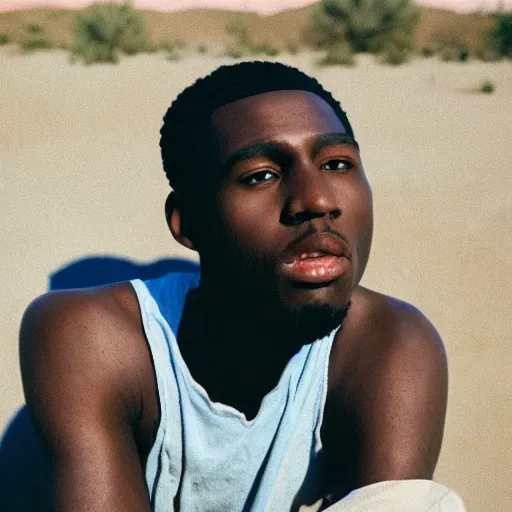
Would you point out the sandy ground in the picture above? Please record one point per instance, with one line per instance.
(80, 175)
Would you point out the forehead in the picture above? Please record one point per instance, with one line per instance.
(280, 116)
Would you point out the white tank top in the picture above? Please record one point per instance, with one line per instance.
(207, 456)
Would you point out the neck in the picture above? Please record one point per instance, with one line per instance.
(236, 353)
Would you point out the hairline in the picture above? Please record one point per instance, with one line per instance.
(196, 120)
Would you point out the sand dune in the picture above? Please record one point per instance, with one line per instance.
(80, 174)
(202, 26)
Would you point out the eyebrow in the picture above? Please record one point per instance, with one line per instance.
(333, 139)
(275, 150)
(267, 149)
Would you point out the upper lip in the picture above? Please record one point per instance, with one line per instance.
(322, 243)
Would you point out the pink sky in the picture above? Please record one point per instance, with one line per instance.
(263, 6)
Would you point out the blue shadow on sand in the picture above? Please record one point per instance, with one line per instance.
(99, 270)
(24, 470)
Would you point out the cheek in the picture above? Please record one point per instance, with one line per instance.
(355, 199)
(361, 222)
(244, 219)
(250, 209)
(364, 209)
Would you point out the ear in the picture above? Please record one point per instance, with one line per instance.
(175, 221)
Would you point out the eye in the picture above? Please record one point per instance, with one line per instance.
(337, 164)
(259, 177)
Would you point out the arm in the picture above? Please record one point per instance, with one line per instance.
(79, 376)
(401, 401)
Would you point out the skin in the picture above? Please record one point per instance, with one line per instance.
(287, 171)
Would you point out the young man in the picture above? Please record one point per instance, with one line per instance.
(270, 381)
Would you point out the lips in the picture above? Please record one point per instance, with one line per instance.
(318, 258)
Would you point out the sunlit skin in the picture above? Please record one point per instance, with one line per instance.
(291, 180)
(290, 170)
(284, 233)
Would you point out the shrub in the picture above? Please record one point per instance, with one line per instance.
(172, 49)
(202, 49)
(177, 44)
(292, 48)
(394, 54)
(488, 53)
(265, 49)
(134, 37)
(173, 53)
(241, 46)
(341, 55)
(166, 46)
(463, 54)
(152, 48)
(270, 51)
(95, 52)
(173, 56)
(449, 53)
(487, 87)
(29, 45)
(104, 29)
(378, 26)
(326, 30)
(428, 50)
(34, 28)
(234, 52)
(4, 39)
(502, 34)
(451, 50)
(240, 33)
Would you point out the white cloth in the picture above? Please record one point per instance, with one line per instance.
(400, 496)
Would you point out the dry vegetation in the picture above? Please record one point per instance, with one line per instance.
(437, 31)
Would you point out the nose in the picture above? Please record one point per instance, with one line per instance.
(310, 196)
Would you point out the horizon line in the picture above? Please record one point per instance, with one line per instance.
(242, 6)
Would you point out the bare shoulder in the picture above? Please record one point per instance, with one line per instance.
(399, 316)
(404, 350)
(110, 300)
(381, 328)
(73, 323)
(388, 380)
(82, 353)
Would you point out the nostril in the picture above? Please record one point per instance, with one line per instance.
(335, 214)
(296, 219)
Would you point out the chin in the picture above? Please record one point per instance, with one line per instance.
(316, 320)
(334, 294)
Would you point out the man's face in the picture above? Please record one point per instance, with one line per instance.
(292, 220)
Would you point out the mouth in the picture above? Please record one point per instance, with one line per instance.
(319, 258)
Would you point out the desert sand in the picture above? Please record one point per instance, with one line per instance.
(80, 175)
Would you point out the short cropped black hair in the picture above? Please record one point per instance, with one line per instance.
(188, 119)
